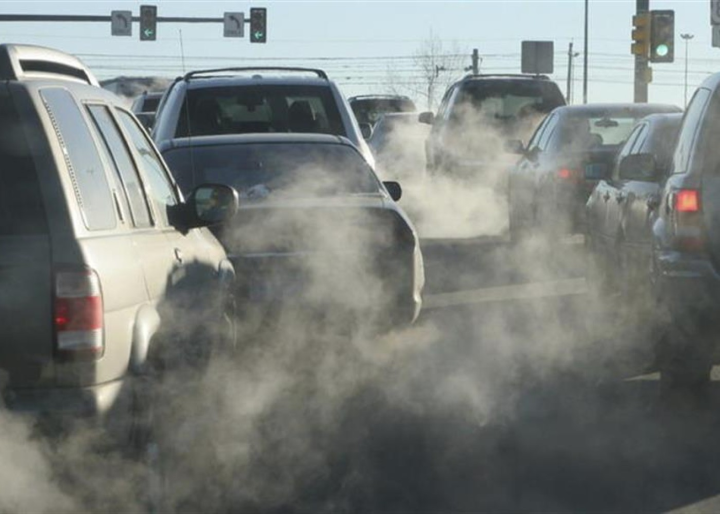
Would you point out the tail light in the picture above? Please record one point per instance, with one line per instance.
(687, 220)
(567, 175)
(78, 315)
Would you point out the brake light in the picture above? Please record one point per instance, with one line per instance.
(78, 315)
(687, 200)
(687, 220)
(565, 173)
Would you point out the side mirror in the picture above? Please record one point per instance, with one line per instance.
(515, 146)
(394, 189)
(428, 118)
(212, 204)
(640, 166)
(146, 119)
(366, 130)
(597, 171)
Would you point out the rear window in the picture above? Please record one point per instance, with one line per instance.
(253, 109)
(507, 100)
(370, 110)
(150, 103)
(21, 208)
(596, 131)
(258, 170)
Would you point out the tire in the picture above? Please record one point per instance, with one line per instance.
(685, 359)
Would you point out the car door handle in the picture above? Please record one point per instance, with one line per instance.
(178, 255)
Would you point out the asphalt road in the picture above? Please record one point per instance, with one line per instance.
(517, 391)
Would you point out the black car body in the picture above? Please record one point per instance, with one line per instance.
(479, 113)
(548, 186)
(686, 241)
(622, 207)
(315, 226)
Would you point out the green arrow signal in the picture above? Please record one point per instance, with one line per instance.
(148, 32)
(258, 35)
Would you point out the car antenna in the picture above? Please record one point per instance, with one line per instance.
(187, 112)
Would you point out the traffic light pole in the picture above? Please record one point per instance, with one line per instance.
(641, 62)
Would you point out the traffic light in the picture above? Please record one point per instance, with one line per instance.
(662, 36)
(641, 34)
(148, 23)
(258, 25)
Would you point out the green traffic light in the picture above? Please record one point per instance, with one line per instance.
(662, 50)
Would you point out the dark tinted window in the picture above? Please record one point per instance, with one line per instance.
(369, 110)
(690, 126)
(123, 164)
(161, 188)
(256, 170)
(150, 103)
(504, 99)
(251, 109)
(21, 208)
(82, 159)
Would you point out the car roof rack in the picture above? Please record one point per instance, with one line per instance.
(318, 72)
(18, 62)
(382, 95)
(506, 75)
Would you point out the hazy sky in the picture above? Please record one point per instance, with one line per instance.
(367, 45)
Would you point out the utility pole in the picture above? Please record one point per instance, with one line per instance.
(687, 38)
(641, 61)
(571, 57)
(585, 57)
(475, 62)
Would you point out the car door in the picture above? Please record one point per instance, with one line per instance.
(192, 282)
(618, 190)
(541, 170)
(603, 199)
(521, 183)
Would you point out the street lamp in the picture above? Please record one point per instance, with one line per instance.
(687, 38)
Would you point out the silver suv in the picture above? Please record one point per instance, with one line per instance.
(257, 100)
(99, 253)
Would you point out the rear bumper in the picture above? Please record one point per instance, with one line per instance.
(75, 401)
(687, 285)
(283, 279)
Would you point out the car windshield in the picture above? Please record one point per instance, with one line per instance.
(257, 170)
(253, 109)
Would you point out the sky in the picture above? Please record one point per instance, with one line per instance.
(371, 46)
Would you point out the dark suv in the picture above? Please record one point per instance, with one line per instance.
(686, 243)
(100, 256)
(256, 101)
(479, 113)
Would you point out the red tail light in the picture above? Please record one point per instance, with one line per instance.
(78, 315)
(687, 200)
(687, 220)
(566, 174)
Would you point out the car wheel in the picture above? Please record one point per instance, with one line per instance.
(685, 360)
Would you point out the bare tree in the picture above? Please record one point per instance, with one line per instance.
(435, 69)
